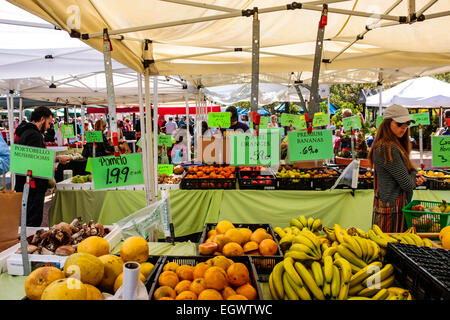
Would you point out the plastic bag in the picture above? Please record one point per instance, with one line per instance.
(349, 176)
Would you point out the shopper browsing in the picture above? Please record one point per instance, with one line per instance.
(395, 174)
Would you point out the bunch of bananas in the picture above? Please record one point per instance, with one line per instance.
(314, 225)
(407, 237)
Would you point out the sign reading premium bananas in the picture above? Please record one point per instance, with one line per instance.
(247, 149)
(110, 172)
(310, 146)
(440, 146)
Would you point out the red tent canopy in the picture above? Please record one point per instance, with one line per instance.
(161, 110)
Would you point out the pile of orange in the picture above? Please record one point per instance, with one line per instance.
(228, 240)
(213, 172)
(218, 278)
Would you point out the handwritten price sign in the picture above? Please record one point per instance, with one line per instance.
(351, 122)
(94, 136)
(288, 120)
(219, 119)
(111, 172)
(247, 149)
(165, 169)
(440, 146)
(39, 160)
(421, 118)
(165, 139)
(67, 131)
(313, 146)
(321, 119)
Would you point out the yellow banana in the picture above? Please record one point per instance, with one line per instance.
(301, 291)
(328, 268)
(378, 240)
(310, 223)
(346, 270)
(289, 268)
(353, 290)
(299, 255)
(353, 245)
(314, 239)
(303, 220)
(365, 272)
(296, 223)
(347, 254)
(377, 230)
(386, 283)
(302, 248)
(355, 269)
(277, 278)
(288, 289)
(329, 252)
(361, 233)
(381, 275)
(336, 256)
(339, 232)
(364, 247)
(409, 296)
(418, 240)
(398, 291)
(374, 250)
(317, 225)
(287, 230)
(381, 295)
(335, 282)
(327, 290)
(359, 298)
(330, 233)
(308, 280)
(301, 238)
(408, 239)
(335, 244)
(317, 273)
(324, 246)
(368, 292)
(427, 243)
(279, 231)
(343, 290)
(273, 292)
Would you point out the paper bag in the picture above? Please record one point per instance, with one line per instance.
(11, 203)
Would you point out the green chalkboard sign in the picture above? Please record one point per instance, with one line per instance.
(39, 160)
(111, 172)
(165, 140)
(440, 146)
(310, 146)
(93, 136)
(219, 119)
(321, 119)
(293, 120)
(352, 122)
(421, 118)
(67, 131)
(165, 169)
(263, 122)
(247, 149)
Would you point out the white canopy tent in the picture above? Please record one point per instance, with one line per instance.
(414, 93)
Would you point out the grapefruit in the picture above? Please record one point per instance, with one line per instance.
(86, 267)
(65, 289)
(94, 245)
(39, 279)
(134, 248)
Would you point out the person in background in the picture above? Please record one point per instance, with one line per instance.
(244, 119)
(273, 122)
(395, 174)
(179, 152)
(171, 126)
(31, 134)
(127, 125)
(205, 129)
(16, 122)
(182, 122)
(87, 126)
(50, 134)
(101, 148)
(235, 124)
(5, 155)
(445, 130)
(177, 121)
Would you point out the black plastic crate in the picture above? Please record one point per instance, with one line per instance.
(264, 266)
(257, 180)
(295, 183)
(251, 226)
(439, 184)
(364, 181)
(208, 183)
(424, 271)
(193, 260)
(324, 183)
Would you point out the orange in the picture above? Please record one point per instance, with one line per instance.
(198, 285)
(238, 274)
(95, 245)
(164, 292)
(216, 278)
(210, 294)
(227, 292)
(39, 279)
(223, 226)
(185, 272)
(134, 248)
(168, 278)
(171, 266)
(119, 281)
(212, 233)
(268, 247)
(207, 248)
(259, 235)
(183, 285)
(186, 295)
(222, 262)
(200, 269)
(221, 240)
(248, 291)
(250, 246)
(237, 297)
(444, 230)
(232, 249)
(446, 241)
(247, 233)
(235, 236)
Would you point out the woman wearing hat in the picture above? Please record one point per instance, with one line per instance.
(395, 175)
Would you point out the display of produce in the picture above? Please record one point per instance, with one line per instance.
(202, 278)
(209, 177)
(229, 240)
(168, 179)
(256, 177)
(342, 264)
(444, 207)
(82, 179)
(427, 216)
(99, 273)
(64, 238)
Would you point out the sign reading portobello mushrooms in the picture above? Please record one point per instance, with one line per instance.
(39, 160)
(110, 172)
(310, 146)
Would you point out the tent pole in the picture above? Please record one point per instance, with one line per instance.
(149, 140)
(20, 109)
(255, 64)
(143, 141)
(83, 119)
(155, 128)
(10, 105)
(188, 133)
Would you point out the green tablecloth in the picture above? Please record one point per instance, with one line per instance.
(191, 209)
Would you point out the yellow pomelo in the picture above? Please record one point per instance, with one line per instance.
(94, 245)
(65, 289)
(86, 267)
(134, 249)
(113, 267)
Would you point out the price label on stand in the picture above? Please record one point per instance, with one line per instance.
(263, 122)
(39, 160)
(165, 169)
(67, 131)
(321, 119)
(264, 149)
(440, 146)
(165, 139)
(351, 122)
(219, 119)
(310, 146)
(111, 172)
(420, 118)
(93, 136)
(294, 120)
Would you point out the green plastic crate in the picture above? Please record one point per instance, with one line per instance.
(425, 221)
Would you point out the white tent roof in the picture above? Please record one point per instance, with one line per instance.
(287, 36)
(420, 92)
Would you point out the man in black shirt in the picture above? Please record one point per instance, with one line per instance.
(235, 124)
(31, 134)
